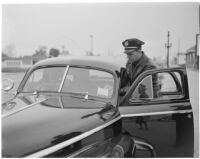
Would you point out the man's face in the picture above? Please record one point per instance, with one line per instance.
(134, 55)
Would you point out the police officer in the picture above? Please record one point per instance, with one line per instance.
(137, 62)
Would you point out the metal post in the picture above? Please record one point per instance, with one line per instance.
(168, 45)
(196, 51)
(91, 37)
(63, 49)
(178, 58)
(168, 49)
(178, 54)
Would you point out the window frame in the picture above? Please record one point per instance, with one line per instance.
(147, 101)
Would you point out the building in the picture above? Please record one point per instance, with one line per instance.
(24, 63)
(192, 54)
(21, 62)
(192, 59)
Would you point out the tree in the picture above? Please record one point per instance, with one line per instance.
(4, 56)
(9, 50)
(54, 52)
(40, 54)
(41, 51)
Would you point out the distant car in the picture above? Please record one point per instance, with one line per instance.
(72, 107)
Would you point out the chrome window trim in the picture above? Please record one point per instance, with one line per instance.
(63, 79)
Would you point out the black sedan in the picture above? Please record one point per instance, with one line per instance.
(73, 107)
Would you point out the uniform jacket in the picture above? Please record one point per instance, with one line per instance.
(133, 70)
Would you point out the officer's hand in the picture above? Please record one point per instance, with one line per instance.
(123, 91)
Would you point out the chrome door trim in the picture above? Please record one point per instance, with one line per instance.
(156, 113)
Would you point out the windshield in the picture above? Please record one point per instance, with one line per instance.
(45, 79)
(78, 80)
(93, 82)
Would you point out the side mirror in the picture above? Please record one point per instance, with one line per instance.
(7, 84)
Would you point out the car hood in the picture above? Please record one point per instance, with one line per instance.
(43, 122)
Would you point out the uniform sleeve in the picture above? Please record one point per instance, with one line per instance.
(124, 79)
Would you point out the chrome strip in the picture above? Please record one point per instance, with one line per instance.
(20, 109)
(138, 143)
(71, 141)
(121, 148)
(134, 148)
(62, 82)
(156, 113)
(80, 151)
(61, 104)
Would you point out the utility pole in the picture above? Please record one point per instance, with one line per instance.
(91, 38)
(168, 45)
(63, 49)
(178, 54)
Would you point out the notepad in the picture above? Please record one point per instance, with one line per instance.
(102, 92)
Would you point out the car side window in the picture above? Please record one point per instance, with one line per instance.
(159, 86)
(144, 90)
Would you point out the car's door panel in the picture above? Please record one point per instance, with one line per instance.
(168, 134)
(166, 119)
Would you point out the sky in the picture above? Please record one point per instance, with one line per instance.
(28, 26)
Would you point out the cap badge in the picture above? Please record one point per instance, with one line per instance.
(126, 43)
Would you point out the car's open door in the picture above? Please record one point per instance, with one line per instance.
(157, 108)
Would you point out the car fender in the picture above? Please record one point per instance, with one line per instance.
(121, 146)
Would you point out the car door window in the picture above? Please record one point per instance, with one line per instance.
(144, 90)
(165, 85)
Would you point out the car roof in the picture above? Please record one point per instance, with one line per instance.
(111, 63)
